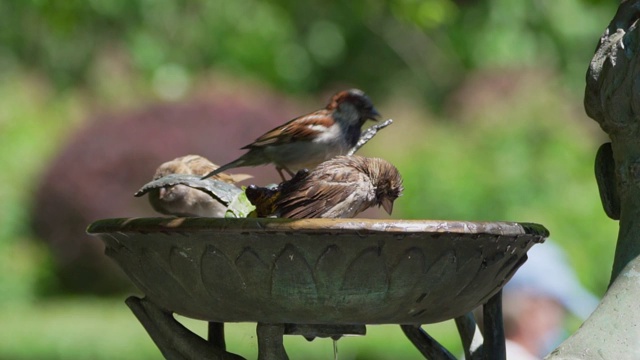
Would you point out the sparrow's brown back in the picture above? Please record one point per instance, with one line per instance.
(340, 188)
(306, 129)
(196, 165)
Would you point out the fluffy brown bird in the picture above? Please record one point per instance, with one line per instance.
(308, 140)
(182, 200)
(338, 188)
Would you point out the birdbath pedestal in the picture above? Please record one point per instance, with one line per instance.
(316, 277)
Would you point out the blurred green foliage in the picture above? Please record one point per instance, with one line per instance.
(529, 160)
(526, 157)
(87, 336)
(301, 46)
(33, 122)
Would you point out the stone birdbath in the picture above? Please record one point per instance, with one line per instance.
(316, 278)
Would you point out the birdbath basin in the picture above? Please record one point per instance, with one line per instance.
(317, 271)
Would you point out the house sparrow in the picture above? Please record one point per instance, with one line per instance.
(182, 200)
(340, 187)
(308, 140)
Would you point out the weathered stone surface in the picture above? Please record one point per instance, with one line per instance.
(317, 271)
(612, 98)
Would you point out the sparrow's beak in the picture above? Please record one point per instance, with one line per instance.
(373, 114)
(387, 205)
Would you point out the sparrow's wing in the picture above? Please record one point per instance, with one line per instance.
(234, 178)
(302, 207)
(320, 193)
(198, 165)
(265, 198)
(304, 128)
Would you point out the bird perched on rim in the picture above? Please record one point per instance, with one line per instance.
(341, 187)
(182, 200)
(308, 140)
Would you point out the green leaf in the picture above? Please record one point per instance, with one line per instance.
(239, 206)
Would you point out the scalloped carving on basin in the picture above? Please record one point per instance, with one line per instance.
(317, 271)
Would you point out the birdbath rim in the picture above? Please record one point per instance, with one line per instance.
(244, 225)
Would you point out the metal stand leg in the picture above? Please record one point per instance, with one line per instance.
(494, 346)
(177, 342)
(216, 335)
(427, 345)
(470, 336)
(173, 339)
(270, 346)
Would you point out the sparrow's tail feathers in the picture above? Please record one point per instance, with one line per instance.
(240, 177)
(236, 163)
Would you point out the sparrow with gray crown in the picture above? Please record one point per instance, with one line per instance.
(308, 140)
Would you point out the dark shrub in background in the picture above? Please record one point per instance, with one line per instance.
(97, 172)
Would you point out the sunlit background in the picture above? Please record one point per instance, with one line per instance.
(486, 98)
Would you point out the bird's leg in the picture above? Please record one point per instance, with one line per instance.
(280, 168)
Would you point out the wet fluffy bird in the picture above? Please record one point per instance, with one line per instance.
(338, 188)
(182, 200)
(308, 140)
